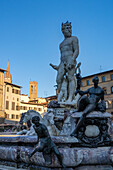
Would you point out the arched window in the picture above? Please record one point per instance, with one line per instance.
(31, 89)
(35, 89)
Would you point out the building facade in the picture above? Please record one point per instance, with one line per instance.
(12, 101)
(2, 109)
(25, 106)
(39, 104)
(105, 82)
(11, 97)
(24, 98)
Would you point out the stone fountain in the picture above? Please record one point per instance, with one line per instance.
(79, 125)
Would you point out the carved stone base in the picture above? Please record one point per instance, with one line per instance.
(94, 131)
(32, 167)
(63, 120)
(14, 152)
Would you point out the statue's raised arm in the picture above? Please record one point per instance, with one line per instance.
(54, 66)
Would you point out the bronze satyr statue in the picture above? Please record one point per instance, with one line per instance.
(45, 143)
(78, 77)
(89, 104)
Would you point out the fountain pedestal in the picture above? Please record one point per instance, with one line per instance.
(95, 130)
(92, 149)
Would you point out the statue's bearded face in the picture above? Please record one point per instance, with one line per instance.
(66, 30)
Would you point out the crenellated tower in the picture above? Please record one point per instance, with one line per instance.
(33, 89)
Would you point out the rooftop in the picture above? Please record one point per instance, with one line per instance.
(13, 84)
(104, 72)
(2, 70)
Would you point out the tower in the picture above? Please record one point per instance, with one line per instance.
(33, 89)
(8, 74)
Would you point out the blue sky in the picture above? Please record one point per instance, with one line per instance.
(30, 34)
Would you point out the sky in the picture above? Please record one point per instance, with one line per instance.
(30, 34)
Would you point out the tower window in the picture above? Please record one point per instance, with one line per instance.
(35, 89)
(7, 89)
(31, 89)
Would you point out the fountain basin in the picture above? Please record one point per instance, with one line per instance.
(14, 151)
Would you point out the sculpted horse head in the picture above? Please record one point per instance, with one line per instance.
(48, 120)
(49, 117)
(29, 114)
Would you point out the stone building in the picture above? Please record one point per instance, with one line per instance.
(17, 103)
(12, 97)
(13, 103)
(38, 104)
(105, 82)
(24, 98)
(2, 109)
(25, 106)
